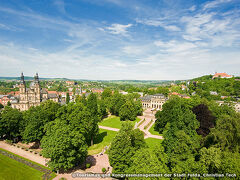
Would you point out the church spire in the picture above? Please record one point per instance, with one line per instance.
(22, 78)
(36, 78)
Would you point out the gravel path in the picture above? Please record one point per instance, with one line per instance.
(108, 128)
(26, 154)
(98, 161)
(148, 115)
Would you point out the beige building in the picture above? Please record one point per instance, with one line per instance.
(155, 101)
(235, 105)
(31, 96)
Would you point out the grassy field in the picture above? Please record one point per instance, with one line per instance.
(153, 132)
(104, 139)
(152, 142)
(114, 122)
(11, 170)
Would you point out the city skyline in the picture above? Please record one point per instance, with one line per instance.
(118, 39)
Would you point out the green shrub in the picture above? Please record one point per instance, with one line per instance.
(88, 165)
(104, 170)
(18, 146)
(26, 149)
(9, 141)
(31, 151)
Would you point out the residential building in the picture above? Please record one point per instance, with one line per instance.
(70, 83)
(213, 93)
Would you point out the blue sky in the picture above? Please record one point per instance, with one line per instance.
(119, 39)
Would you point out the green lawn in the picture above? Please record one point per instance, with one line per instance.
(114, 122)
(152, 142)
(104, 139)
(11, 170)
(153, 132)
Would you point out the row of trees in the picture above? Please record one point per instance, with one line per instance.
(199, 137)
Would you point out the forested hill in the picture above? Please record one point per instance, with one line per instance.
(205, 85)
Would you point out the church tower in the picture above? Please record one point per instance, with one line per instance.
(22, 86)
(37, 88)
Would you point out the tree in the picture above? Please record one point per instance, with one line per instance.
(183, 152)
(82, 100)
(65, 147)
(10, 121)
(230, 163)
(107, 93)
(35, 119)
(116, 102)
(92, 104)
(138, 107)
(67, 98)
(127, 112)
(92, 107)
(181, 142)
(1, 106)
(162, 90)
(146, 161)
(8, 103)
(124, 146)
(102, 109)
(205, 117)
(210, 159)
(80, 119)
(226, 134)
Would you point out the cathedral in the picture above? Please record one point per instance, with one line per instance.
(31, 96)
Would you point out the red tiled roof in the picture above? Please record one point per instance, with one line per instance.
(174, 93)
(221, 75)
(52, 92)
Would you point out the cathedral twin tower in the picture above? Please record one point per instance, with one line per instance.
(31, 96)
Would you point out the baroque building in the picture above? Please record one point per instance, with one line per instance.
(155, 101)
(31, 96)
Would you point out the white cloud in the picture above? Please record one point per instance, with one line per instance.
(213, 4)
(175, 46)
(118, 29)
(193, 8)
(171, 28)
(206, 27)
(119, 64)
(134, 50)
(159, 23)
(3, 26)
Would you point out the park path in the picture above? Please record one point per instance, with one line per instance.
(108, 128)
(100, 161)
(148, 115)
(26, 154)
